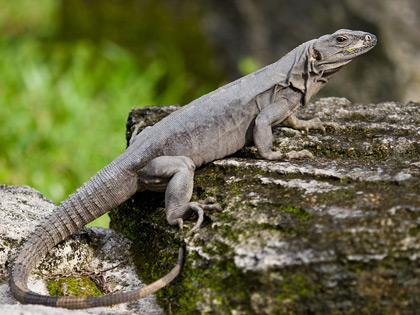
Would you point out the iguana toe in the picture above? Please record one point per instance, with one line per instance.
(299, 154)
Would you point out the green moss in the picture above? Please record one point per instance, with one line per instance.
(302, 214)
(225, 216)
(376, 151)
(414, 231)
(413, 150)
(228, 285)
(293, 288)
(73, 286)
(54, 288)
(204, 179)
(143, 219)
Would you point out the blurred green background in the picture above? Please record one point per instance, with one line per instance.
(68, 80)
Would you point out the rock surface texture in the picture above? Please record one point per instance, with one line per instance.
(336, 234)
(94, 259)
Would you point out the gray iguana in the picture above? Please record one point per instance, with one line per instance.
(164, 157)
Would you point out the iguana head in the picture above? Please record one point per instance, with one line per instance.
(313, 63)
(331, 52)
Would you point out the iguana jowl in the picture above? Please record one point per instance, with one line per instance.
(164, 157)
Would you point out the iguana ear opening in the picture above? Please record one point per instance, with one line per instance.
(317, 55)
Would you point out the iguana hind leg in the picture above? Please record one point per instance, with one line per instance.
(175, 175)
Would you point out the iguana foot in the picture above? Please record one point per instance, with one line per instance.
(276, 156)
(207, 204)
(317, 124)
(306, 125)
(298, 154)
(197, 207)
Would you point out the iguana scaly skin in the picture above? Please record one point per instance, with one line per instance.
(164, 157)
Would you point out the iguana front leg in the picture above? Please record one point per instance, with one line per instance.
(270, 116)
(175, 175)
(293, 122)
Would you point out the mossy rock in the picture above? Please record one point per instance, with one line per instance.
(338, 233)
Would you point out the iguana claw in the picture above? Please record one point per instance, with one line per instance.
(181, 224)
(200, 213)
(207, 204)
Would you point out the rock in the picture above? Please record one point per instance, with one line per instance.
(147, 116)
(100, 254)
(338, 233)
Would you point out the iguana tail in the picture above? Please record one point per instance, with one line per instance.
(103, 192)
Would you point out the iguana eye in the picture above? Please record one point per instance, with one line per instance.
(341, 39)
(317, 55)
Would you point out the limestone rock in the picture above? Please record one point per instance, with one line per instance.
(101, 254)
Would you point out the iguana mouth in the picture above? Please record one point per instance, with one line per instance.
(356, 51)
(368, 43)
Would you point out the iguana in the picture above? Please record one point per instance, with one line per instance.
(164, 156)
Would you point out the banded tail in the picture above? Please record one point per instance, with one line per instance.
(106, 190)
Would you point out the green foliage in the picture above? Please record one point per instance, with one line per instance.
(64, 109)
(27, 18)
(169, 31)
(248, 65)
(64, 102)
